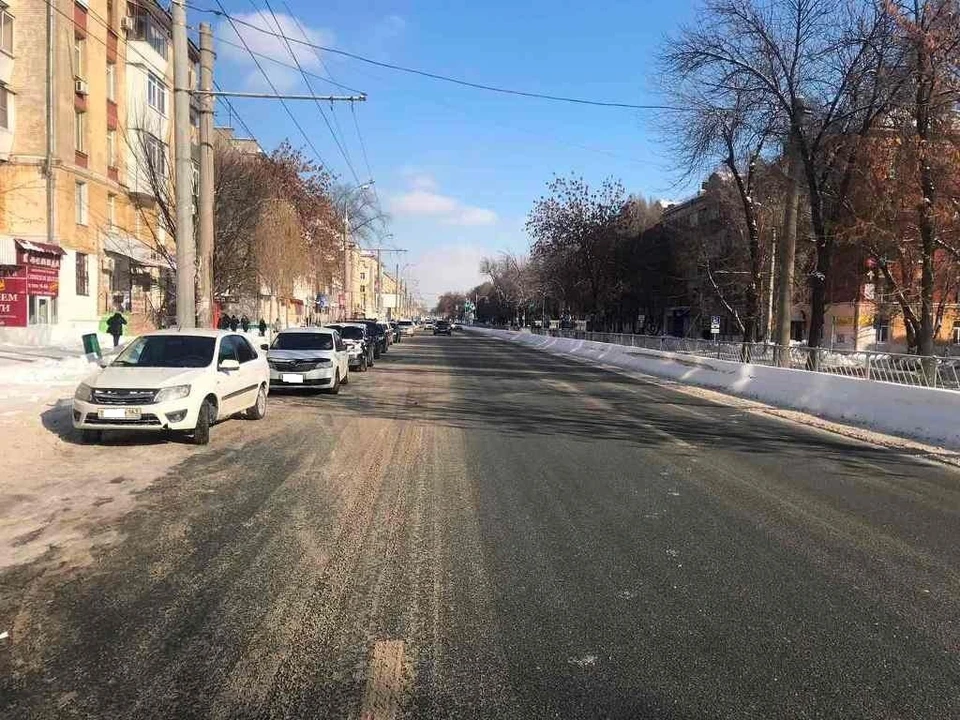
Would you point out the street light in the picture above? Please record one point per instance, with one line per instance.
(347, 279)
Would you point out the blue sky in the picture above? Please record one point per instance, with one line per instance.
(458, 169)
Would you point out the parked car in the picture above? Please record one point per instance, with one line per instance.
(376, 333)
(387, 331)
(442, 327)
(309, 357)
(406, 327)
(180, 380)
(359, 344)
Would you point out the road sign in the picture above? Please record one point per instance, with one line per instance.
(715, 325)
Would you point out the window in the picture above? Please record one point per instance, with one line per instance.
(80, 132)
(244, 351)
(156, 94)
(157, 37)
(112, 210)
(83, 277)
(111, 82)
(111, 148)
(6, 32)
(363, 288)
(883, 331)
(156, 155)
(228, 350)
(79, 56)
(4, 108)
(81, 203)
(363, 276)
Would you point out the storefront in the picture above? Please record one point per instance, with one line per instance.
(30, 284)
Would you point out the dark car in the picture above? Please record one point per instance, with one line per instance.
(376, 333)
(359, 344)
(442, 328)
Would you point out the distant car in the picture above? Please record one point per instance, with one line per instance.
(376, 333)
(407, 327)
(176, 380)
(359, 344)
(442, 327)
(309, 357)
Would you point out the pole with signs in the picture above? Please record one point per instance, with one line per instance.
(715, 331)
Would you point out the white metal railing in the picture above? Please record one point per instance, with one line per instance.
(940, 372)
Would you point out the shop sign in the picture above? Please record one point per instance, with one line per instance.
(13, 300)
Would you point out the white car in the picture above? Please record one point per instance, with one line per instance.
(309, 357)
(407, 327)
(181, 380)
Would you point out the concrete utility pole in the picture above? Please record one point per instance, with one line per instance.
(346, 308)
(206, 234)
(186, 250)
(788, 238)
(51, 182)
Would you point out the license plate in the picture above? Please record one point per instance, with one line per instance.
(290, 378)
(119, 414)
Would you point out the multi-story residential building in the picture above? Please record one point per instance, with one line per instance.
(79, 228)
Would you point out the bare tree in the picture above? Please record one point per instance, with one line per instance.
(824, 71)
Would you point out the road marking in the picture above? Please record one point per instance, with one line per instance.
(386, 682)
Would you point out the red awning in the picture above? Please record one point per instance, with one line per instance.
(39, 247)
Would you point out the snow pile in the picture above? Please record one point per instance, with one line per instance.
(46, 372)
(925, 414)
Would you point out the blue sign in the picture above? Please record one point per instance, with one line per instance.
(322, 300)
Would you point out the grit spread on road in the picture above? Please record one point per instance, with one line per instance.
(473, 529)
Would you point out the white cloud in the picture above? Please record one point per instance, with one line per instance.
(272, 46)
(451, 267)
(424, 201)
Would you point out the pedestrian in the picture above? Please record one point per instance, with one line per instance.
(224, 322)
(245, 322)
(263, 327)
(234, 323)
(115, 327)
(277, 327)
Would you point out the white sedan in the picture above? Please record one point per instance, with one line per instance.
(309, 357)
(182, 380)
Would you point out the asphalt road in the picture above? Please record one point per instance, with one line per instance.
(475, 530)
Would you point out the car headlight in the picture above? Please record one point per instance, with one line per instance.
(172, 393)
(84, 392)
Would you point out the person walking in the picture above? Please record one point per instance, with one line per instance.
(263, 327)
(224, 322)
(234, 323)
(277, 327)
(115, 327)
(244, 323)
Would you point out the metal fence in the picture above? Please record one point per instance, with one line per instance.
(940, 372)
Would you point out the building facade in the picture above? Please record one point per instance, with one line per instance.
(81, 231)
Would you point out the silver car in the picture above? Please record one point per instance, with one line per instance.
(309, 357)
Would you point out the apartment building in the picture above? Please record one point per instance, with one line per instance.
(84, 121)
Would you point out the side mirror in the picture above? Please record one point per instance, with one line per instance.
(229, 365)
(103, 362)
(264, 346)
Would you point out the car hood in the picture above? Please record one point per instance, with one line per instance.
(143, 377)
(300, 354)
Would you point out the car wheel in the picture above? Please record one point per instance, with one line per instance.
(89, 437)
(259, 408)
(201, 433)
(346, 377)
(335, 388)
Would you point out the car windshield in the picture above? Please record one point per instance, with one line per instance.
(167, 351)
(303, 341)
(442, 323)
(405, 323)
(348, 332)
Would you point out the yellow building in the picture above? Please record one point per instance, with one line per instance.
(79, 229)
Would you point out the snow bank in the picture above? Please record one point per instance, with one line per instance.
(926, 414)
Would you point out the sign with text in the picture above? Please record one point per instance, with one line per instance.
(13, 301)
(715, 325)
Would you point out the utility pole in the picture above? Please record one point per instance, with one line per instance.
(379, 288)
(186, 250)
(788, 238)
(768, 331)
(346, 307)
(205, 245)
(51, 183)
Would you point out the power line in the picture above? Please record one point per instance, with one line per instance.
(281, 63)
(437, 76)
(272, 86)
(306, 80)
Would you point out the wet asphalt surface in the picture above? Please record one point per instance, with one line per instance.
(542, 539)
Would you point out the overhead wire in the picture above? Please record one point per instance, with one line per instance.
(273, 87)
(437, 76)
(306, 80)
